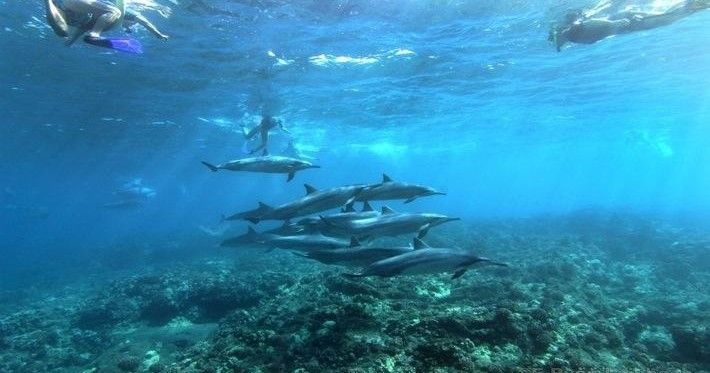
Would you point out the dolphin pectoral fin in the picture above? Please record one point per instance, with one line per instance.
(212, 167)
(423, 231)
(302, 255)
(408, 200)
(458, 273)
(290, 176)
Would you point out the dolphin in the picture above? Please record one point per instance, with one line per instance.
(249, 238)
(304, 242)
(314, 201)
(425, 260)
(267, 164)
(347, 214)
(389, 189)
(130, 203)
(252, 237)
(354, 255)
(389, 223)
(135, 189)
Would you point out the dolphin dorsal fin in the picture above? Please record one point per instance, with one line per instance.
(387, 210)
(386, 179)
(348, 208)
(354, 242)
(366, 207)
(264, 206)
(419, 244)
(265, 152)
(310, 189)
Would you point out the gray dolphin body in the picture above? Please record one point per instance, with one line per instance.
(425, 260)
(389, 189)
(305, 242)
(314, 201)
(355, 256)
(251, 237)
(135, 190)
(348, 214)
(302, 242)
(267, 164)
(124, 204)
(389, 223)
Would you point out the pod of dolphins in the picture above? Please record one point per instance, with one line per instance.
(337, 238)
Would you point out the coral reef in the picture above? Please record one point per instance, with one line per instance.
(588, 292)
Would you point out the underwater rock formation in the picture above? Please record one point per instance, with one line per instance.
(569, 301)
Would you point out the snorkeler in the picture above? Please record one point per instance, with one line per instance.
(584, 30)
(92, 17)
(267, 123)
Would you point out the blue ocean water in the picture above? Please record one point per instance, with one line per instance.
(464, 96)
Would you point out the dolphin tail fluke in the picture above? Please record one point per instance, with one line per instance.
(212, 167)
(290, 176)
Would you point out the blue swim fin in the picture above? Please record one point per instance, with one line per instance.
(128, 45)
